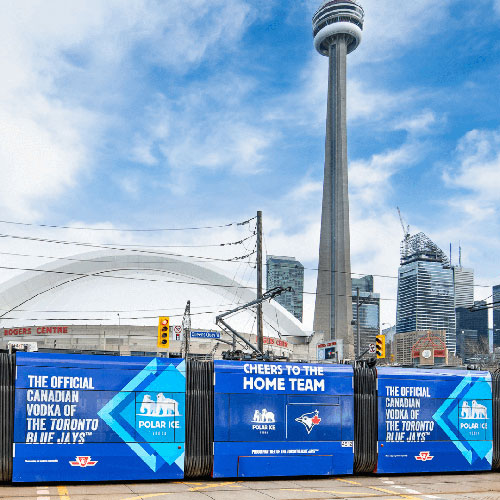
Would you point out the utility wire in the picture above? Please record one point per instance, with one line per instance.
(95, 275)
(54, 226)
(239, 242)
(110, 319)
(363, 274)
(106, 247)
(115, 310)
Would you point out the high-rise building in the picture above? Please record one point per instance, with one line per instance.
(468, 345)
(426, 297)
(337, 30)
(464, 286)
(496, 317)
(474, 319)
(287, 272)
(369, 312)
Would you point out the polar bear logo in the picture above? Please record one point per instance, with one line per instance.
(478, 410)
(148, 406)
(473, 412)
(268, 416)
(166, 407)
(466, 411)
(162, 407)
(263, 417)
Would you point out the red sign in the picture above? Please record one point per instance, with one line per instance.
(39, 330)
(329, 344)
(276, 342)
(439, 352)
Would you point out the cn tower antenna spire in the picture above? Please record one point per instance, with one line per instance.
(337, 31)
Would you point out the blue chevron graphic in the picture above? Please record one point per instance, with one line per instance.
(138, 426)
(472, 436)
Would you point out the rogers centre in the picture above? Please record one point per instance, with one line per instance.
(78, 309)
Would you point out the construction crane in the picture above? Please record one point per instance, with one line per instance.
(406, 234)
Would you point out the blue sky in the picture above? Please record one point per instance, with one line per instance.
(172, 113)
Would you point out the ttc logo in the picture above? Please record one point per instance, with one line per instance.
(424, 456)
(309, 420)
(83, 462)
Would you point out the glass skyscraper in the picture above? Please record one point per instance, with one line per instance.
(287, 272)
(475, 320)
(369, 312)
(426, 290)
(464, 286)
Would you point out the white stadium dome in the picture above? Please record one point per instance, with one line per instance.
(111, 287)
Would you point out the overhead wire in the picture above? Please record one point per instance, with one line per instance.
(55, 226)
(120, 248)
(101, 274)
(115, 310)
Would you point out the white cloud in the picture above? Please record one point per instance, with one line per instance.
(370, 179)
(307, 105)
(421, 123)
(392, 25)
(305, 189)
(477, 172)
(60, 60)
(209, 127)
(497, 6)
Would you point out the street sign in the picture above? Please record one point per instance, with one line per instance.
(205, 335)
(177, 329)
(371, 348)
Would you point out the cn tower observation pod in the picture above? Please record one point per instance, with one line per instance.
(334, 18)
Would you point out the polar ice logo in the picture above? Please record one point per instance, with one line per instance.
(263, 421)
(163, 407)
(156, 411)
(423, 456)
(474, 412)
(309, 420)
(83, 462)
(264, 416)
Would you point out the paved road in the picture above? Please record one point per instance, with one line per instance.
(485, 486)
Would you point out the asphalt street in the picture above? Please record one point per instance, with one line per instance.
(464, 486)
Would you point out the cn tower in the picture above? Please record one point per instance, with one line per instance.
(337, 30)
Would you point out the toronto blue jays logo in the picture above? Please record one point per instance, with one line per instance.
(309, 420)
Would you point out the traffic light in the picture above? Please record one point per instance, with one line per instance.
(163, 330)
(380, 346)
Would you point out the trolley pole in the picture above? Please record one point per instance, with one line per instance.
(260, 326)
(358, 332)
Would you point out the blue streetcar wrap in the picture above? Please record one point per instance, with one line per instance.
(95, 418)
(282, 419)
(434, 420)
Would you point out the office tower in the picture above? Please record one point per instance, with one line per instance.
(337, 29)
(287, 272)
(496, 317)
(474, 319)
(369, 312)
(426, 298)
(468, 345)
(464, 286)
